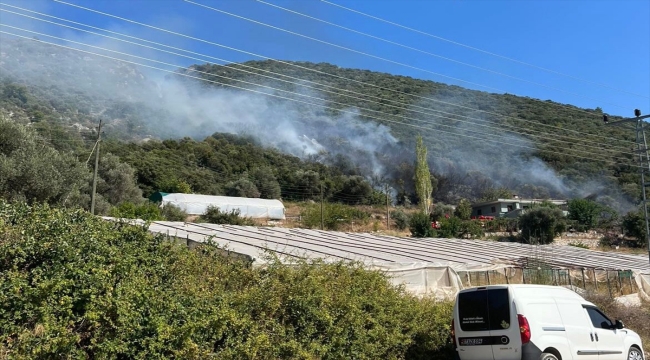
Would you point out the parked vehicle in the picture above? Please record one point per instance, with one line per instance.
(508, 322)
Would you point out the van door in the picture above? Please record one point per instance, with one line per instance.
(578, 329)
(609, 341)
(485, 328)
(472, 327)
(504, 325)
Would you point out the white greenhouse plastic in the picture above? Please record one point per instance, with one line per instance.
(195, 204)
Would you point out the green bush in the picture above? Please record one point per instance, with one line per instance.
(420, 225)
(400, 218)
(215, 216)
(172, 212)
(75, 286)
(148, 211)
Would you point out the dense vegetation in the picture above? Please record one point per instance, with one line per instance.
(75, 286)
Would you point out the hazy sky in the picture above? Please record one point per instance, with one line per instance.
(599, 41)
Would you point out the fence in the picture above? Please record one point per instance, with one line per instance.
(616, 282)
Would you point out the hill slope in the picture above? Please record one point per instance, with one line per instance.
(365, 123)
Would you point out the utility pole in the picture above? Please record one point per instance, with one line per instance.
(644, 161)
(322, 222)
(387, 210)
(92, 198)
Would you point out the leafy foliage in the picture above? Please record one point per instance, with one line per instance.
(400, 218)
(633, 225)
(148, 211)
(420, 225)
(422, 176)
(215, 216)
(541, 224)
(585, 212)
(73, 284)
(463, 209)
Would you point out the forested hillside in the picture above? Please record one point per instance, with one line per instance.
(357, 138)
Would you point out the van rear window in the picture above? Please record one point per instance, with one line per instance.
(484, 310)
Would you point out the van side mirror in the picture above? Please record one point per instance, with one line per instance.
(619, 324)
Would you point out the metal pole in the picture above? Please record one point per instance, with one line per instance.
(643, 184)
(584, 282)
(92, 196)
(638, 119)
(595, 280)
(487, 276)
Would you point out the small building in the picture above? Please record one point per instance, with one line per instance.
(510, 208)
(196, 204)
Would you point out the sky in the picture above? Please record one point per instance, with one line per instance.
(597, 51)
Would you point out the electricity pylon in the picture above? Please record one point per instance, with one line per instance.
(644, 161)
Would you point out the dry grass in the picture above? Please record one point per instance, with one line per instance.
(376, 224)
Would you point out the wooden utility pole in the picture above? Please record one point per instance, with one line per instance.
(387, 210)
(92, 198)
(322, 222)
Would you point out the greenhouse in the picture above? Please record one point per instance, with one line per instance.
(195, 204)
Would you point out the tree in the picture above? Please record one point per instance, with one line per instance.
(463, 210)
(242, 188)
(423, 186)
(585, 212)
(266, 183)
(116, 181)
(633, 225)
(33, 171)
(542, 223)
(441, 211)
(420, 225)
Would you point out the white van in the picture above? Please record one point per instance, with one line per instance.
(503, 322)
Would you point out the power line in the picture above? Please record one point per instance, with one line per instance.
(318, 71)
(371, 55)
(552, 136)
(307, 96)
(434, 131)
(485, 51)
(417, 49)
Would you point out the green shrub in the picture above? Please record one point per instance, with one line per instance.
(148, 211)
(172, 212)
(400, 218)
(75, 286)
(420, 225)
(215, 216)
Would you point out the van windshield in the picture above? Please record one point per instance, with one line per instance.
(484, 310)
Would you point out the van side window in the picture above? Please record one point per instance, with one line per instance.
(484, 310)
(598, 319)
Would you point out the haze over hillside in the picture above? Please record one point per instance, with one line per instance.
(351, 118)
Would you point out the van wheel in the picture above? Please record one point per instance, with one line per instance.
(634, 354)
(549, 356)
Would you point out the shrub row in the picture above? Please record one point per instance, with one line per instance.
(74, 286)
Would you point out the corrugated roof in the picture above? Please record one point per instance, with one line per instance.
(371, 248)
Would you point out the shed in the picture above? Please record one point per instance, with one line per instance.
(196, 204)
